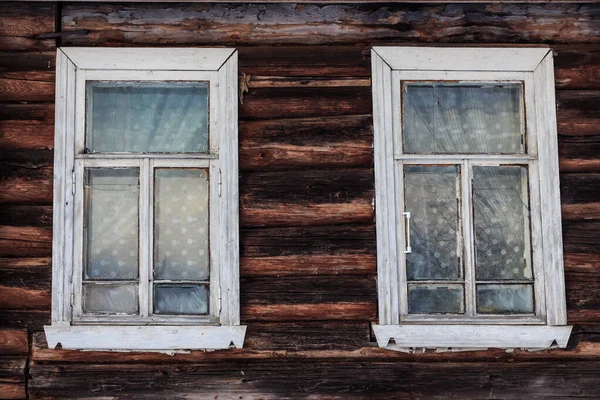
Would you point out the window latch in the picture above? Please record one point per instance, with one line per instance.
(73, 182)
(219, 184)
(407, 233)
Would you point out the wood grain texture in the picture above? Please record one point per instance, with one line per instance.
(20, 24)
(197, 24)
(286, 379)
(13, 342)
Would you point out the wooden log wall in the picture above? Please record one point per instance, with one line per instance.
(308, 266)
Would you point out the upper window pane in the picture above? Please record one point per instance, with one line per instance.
(456, 118)
(147, 117)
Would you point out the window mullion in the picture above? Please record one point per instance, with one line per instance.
(468, 242)
(145, 245)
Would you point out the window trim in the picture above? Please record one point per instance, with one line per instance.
(533, 66)
(219, 67)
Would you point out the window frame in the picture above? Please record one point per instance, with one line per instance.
(391, 66)
(221, 329)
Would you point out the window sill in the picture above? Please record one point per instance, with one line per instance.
(470, 337)
(168, 339)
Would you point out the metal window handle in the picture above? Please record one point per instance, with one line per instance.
(407, 233)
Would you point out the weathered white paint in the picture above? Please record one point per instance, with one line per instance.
(532, 67)
(138, 58)
(74, 67)
(462, 59)
(471, 337)
(151, 337)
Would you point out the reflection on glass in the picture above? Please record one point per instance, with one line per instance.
(435, 299)
(462, 118)
(180, 299)
(111, 196)
(181, 224)
(500, 210)
(504, 299)
(110, 298)
(147, 117)
(431, 198)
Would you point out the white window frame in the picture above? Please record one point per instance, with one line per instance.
(69, 328)
(534, 67)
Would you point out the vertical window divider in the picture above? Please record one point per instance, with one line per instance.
(468, 242)
(145, 241)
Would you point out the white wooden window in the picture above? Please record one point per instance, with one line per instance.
(469, 245)
(146, 231)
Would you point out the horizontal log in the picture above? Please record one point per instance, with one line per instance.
(30, 187)
(31, 320)
(581, 262)
(310, 312)
(13, 390)
(19, 135)
(308, 265)
(579, 153)
(282, 215)
(322, 142)
(19, 298)
(26, 89)
(27, 62)
(41, 112)
(577, 66)
(13, 342)
(305, 61)
(577, 112)
(21, 23)
(25, 241)
(12, 369)
(282, 378)
(239, 24)
(581, 237)
(17, 215)
(305, 102)
(291, 290)
(581, 211)
(339, 239)
(580, 194)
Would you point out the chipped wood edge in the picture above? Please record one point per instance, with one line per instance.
(470, 337)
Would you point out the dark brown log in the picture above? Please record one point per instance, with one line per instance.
(27, 62)
(286, 379)
(197, 24)
(32, 320)
(24, 184)
(581, 237)
(342, 239)
(20, 24)
(308, 265)
(577, 112)
(305, 102)
(579, 153)
(581, 262)
(16, 215)
(42, 112)
(12, 369)
(24, 298)
(13, 342)
(303, 61)
(25, 241)
(577, 66)
(290, 290)
(324, 142)
(580, 195)
(13, 390)
(26, 89)
(19, 135)
(310, 312)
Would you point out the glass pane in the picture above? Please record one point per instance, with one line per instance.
(462, 118)
(435, 299)
(147, 117)
(111, 197)
(500, 212)
(431, 198)
(180, 299)
(504, 299)
(181, 224)
(110, 298)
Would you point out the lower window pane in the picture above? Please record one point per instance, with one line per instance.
(180, 299)
(435, 299)
(110, 298)
(505, 299)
